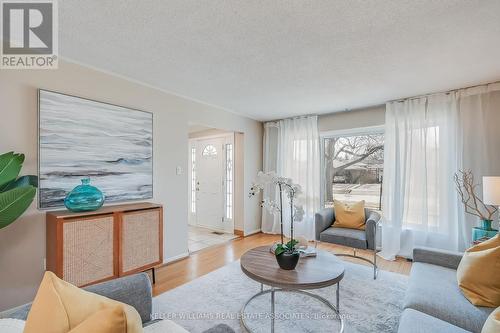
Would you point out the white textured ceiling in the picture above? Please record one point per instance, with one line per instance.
(271, 59)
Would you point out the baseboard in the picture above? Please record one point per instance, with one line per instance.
(176, 258)
(253, 232)
(239, 232)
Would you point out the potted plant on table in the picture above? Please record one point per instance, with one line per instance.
(287, 253)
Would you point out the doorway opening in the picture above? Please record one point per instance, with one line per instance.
(211, 187)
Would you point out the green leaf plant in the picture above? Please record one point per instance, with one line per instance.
(288, 247)
(16, 193)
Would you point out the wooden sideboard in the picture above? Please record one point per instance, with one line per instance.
(89, 247)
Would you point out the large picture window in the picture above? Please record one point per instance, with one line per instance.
(353, 166)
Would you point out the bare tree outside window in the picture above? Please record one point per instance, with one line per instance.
(354, 168)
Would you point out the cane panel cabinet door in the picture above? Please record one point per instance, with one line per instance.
(141, 236)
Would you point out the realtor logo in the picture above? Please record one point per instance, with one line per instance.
(29, 34)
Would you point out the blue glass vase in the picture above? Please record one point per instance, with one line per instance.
(84, 197)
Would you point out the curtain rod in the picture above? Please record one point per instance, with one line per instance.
(400, 100)
(295, 117)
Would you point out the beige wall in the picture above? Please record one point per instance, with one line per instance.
(22, 244)
(366, 117)
(208, 132)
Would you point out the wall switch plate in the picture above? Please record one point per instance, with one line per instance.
(178, 171)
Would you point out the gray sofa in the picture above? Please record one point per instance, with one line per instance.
(134, 290)
(433, 301)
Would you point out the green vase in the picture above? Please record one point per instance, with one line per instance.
(485, 225)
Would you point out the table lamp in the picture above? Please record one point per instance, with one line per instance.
(491, 191)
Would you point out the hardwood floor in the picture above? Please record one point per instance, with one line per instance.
(205, 261)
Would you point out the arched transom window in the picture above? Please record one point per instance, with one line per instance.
(209, 150)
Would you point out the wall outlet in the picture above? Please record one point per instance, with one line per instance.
(178, 171)
(44, 264)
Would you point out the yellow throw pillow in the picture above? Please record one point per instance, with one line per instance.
(109, 320)
(60, 307)
(349, 216)
(478, 273)
(492, 324)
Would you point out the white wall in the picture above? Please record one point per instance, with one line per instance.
(22, 244)
(367, 117)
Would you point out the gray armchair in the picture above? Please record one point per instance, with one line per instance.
(357, 239)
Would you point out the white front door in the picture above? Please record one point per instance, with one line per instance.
(209, 195)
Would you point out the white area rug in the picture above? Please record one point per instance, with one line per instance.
(366, 305)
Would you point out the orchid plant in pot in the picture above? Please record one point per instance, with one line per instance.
(287, 253)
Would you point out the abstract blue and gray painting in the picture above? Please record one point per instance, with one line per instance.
(80, 138)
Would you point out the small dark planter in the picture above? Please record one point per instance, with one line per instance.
(288, 261)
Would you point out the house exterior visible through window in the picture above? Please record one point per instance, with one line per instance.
(353, 166)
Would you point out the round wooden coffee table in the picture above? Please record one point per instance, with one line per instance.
(321, 271)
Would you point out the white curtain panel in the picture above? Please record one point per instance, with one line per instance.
(270, 223)
(291, 149)
(479, 109)
(427, 140)
(420, 159)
